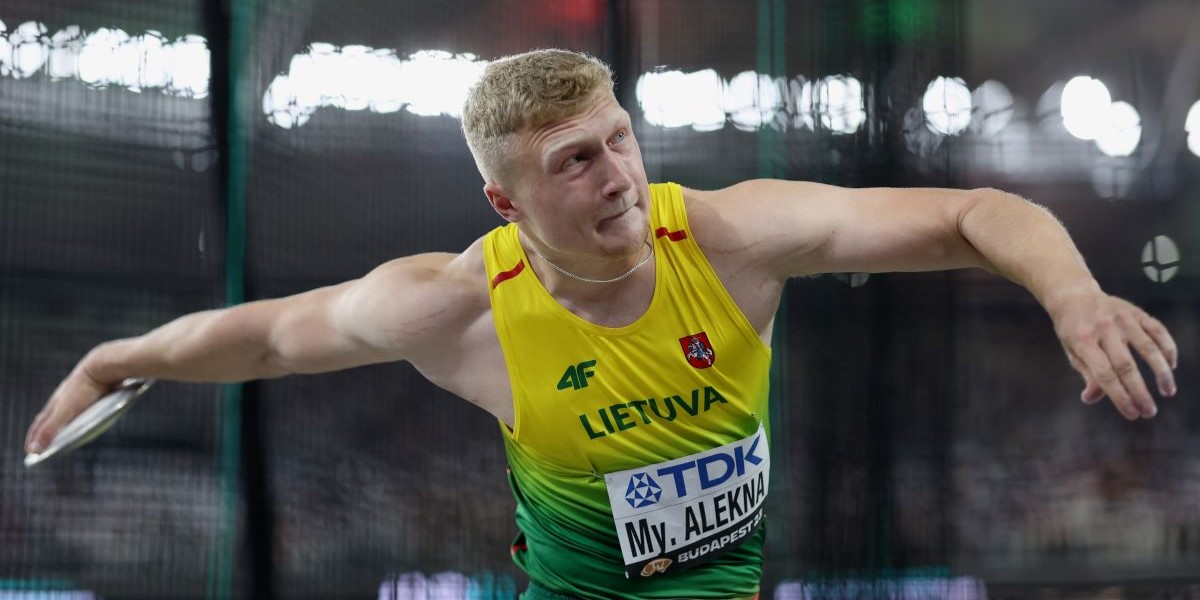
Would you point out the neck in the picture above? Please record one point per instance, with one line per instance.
(591, 276)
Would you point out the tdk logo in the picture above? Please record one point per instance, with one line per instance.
(713, 469)
(642, 491)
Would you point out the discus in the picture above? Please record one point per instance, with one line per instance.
(93, 421)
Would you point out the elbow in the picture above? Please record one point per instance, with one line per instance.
(1006, 209)
(990, 197)
(984, 210)
(1000, 198)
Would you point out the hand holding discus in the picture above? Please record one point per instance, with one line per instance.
(88, 425)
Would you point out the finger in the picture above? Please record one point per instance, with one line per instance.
(1091, 392)
(73, 395)
(37, 421)
(1152, 353)
(1117, 349)
(1100, 369)
(57, 414)
(43, 428)
(35, 438)
(1163, 338)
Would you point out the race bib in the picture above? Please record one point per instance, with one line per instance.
(685, 512)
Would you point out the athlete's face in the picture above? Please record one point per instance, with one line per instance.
(580, 186)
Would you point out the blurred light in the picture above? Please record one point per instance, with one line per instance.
(1122, 130)
(909, 588)
(947, 105)
(677, 99)
(153, 60)
(1160, 259)
(908, 21)
(838, 101)
(436, 83)
(41, 594)
(449, 585)
(124, 64)
(554, 13)
(1085, 106)
(29, 49)
(281, 104)
(5, 51)
(112, 58)
(754, 100)
(799, 102)
(750, 100)
(95, 63)
(190, 67)
(65, 46)
(993, 107)
(1192, 127)
(429, 83)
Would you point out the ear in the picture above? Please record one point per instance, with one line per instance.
(502, 203)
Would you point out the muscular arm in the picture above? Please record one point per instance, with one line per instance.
(390, 314)
(802, 228)
(796, 228)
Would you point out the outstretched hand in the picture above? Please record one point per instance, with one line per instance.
(77, 392)
(1098, 331)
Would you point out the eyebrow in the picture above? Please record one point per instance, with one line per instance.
(572, 143)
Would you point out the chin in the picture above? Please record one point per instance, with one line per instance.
(629, 237)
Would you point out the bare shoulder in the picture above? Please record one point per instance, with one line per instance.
(412, 304)
(734, 225)
(723, 226)
(435, 267)
(773, 224)
(709, 221)
(433, 310)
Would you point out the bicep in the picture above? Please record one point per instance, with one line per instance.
(304, 334)
(388, 315)
(806, 228)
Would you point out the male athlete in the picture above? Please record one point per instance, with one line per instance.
(619, 330)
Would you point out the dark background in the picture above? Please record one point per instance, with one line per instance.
(927, 426)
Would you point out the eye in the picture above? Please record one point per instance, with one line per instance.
(621, 136)
(573, 160)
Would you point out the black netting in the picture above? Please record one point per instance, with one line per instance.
(928, 431)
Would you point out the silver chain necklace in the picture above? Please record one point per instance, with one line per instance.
(624, 275)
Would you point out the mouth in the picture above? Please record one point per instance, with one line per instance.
(618, 215)
(615, 217)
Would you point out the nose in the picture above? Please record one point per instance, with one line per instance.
(618, 179)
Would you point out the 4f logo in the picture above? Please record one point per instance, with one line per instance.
(698, 350)
(576, 376)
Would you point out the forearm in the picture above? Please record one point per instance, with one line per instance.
(1025, 243)
(226, 345)
(260, 339)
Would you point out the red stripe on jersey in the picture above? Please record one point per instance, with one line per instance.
(509, 274)
(674, 236)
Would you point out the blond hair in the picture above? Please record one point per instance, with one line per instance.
(526, 91)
